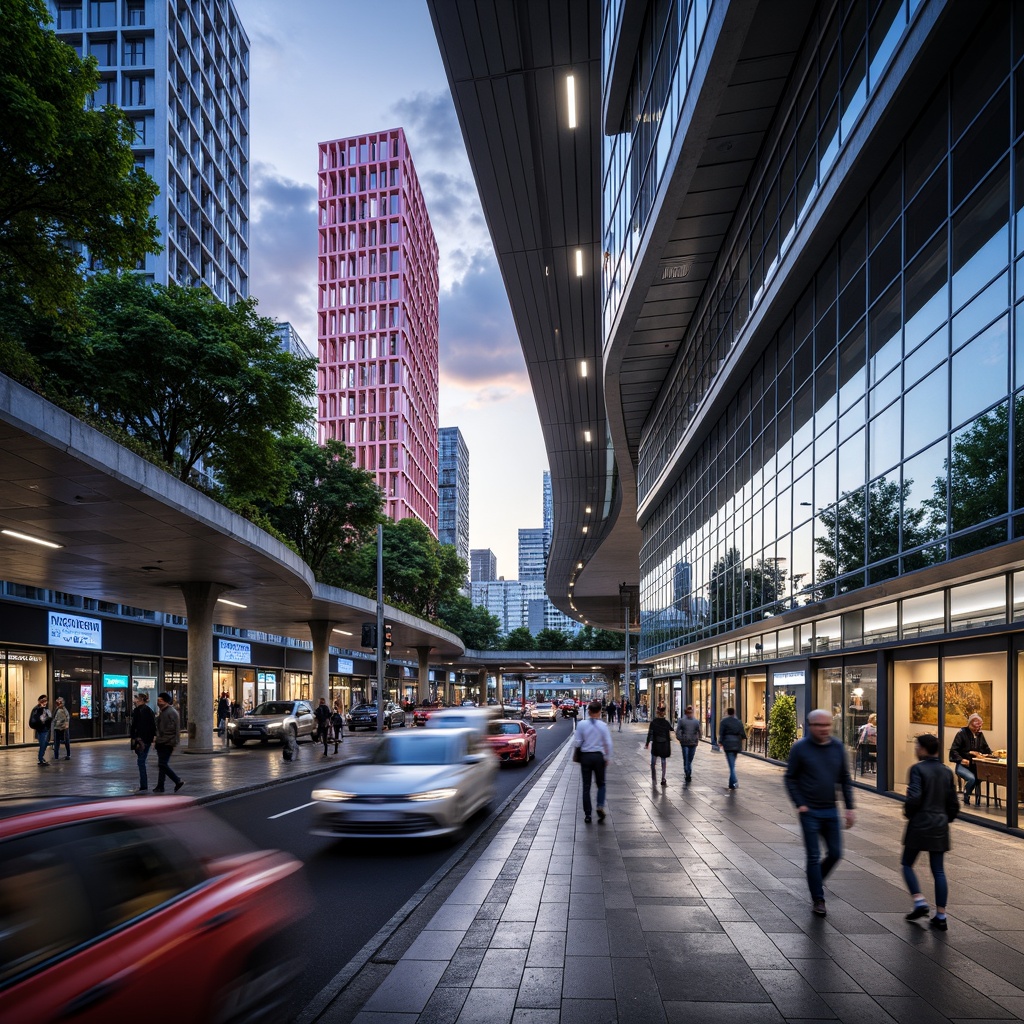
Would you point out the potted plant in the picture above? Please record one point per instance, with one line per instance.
(782, 726)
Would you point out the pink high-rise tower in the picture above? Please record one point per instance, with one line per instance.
(377, 330)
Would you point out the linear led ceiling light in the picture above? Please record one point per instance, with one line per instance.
(31, 540)
(570, 98)
(345, 632)
(234, 604)
(586, 436)
(583, 367)
(579, 262)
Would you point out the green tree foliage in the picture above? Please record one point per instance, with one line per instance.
(782, 726)
(331, 508)
(739, 591)
(418, 572)
(67, 174)
(192, 378)
(519, 639)
(552, 640)
(478, 629)
(609, 640)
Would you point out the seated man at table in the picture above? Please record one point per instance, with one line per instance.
(968, 743)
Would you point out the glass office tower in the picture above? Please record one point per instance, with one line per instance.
(831, 474)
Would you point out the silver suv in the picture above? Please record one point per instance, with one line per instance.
(273, 720)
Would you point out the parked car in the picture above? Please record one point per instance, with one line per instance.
(422, 714)
(364, 716)
(273, 720)
(104, 903)
(427, 783)
(513, 710)
(569, 709)
(544, 710)
(512, 740)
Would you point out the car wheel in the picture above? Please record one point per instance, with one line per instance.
(237, 741)
(293, 733)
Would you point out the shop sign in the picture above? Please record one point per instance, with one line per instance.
(789, 678)
(451, 677)
(34, 659)
(345, 666)
(85, 709)
(266, 677)
(75, 631)
(114, 682)
(235, 652)
(642, 683)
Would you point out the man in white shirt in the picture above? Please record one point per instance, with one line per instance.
(594, 740)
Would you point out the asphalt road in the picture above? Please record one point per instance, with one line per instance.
(357, 885)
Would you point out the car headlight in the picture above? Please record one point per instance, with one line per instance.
(434, 794)
(332, 796)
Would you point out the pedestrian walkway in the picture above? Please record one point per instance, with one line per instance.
(691, 905)
(104, 768)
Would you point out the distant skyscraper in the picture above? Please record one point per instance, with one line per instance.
(483, 565)
(377, 329)
(549, 512)
(291, 342)
(453, 491)
(181, 73)
(533, 554)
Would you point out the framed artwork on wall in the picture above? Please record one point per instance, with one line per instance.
(962, 699)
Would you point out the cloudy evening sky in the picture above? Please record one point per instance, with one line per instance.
(326, 69)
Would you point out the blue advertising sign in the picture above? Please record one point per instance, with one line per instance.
(69, 630)
(234, 651)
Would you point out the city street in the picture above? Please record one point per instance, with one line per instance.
(357, 885)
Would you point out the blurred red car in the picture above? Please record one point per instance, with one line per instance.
(512, 740)
(144, 909)
(422, 714)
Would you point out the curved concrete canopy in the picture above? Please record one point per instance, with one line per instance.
(130, 533)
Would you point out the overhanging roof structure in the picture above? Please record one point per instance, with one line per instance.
(539, 177)
(130, 533)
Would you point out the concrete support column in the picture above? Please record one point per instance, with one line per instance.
(200, 605)
(615, 686)
(320, 632)
(423, 679)
(481, 682)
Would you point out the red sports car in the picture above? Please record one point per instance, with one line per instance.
(512, 740)
(422, 714)
(140, 909)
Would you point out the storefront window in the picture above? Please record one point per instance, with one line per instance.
(266, 689)
(223, 682)
(340, 686)
(828, 634)
(1018, 596)
(830, 696)
(880, 623)
(22, 680)
(700, 698)
(976, 684)
(176, 684)
(145, 674)
(915, 710)
(860, 717)
(978, 604)
(754, 710)
(923, 616)
(76, 679)
(297, 686)
(726, 694)
(116, 704)
(786, 643)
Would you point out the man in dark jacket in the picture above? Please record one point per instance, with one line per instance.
(931, 805)
(39, 722)
(688, 734)
(817, 764)
(660, 733)
(168, 733)
(323, 723)
(223, 714)
(967, 744)
(142, 732)
(731, 735)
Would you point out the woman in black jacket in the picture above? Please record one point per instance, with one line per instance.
(660, 732)
(931, 805)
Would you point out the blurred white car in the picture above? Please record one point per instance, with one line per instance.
(476, 719)
(544, 710)
(423, 783)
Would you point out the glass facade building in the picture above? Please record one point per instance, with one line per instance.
(453, 491)
(831, 480)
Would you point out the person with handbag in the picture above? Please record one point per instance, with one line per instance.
(592, 750)
(141, 733)
(930, 806)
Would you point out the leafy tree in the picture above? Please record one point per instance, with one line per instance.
(418, 572)
(67, 174)
(519, 639)
(332, 507)
(192, 378)
(552, 640)
(609, 640)
(782, 726)
(474, 624)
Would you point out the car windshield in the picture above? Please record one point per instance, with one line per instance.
(540, 707)
(366, 707)
(503, 728)
(273, 707)
(420, 748)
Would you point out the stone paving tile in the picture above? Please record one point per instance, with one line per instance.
(722, 1013)
(793, 995)
(540, 987)
(546, 950)
(452, 917)
(587, 938)
(911, 1010)
(637, 998)
(434, 945)
(488, 1006)
(588, 1011)
(754, 945)
(720, 974)
(857, 1008)
(501, 968)
(552, 917)
(588, 977)
(511, 935)
(444, 1006)
(678, 919)
(462, 968)
(407, 989)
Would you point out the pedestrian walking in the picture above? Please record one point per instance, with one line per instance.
(620, 713)
(593, 740)
(61, 730)
(659, 732)
(629, 712)
(930, 806)
(688, 734)
(223, 714)
(168, 733)
(817, 765)
(731, 736)
(323, 723)
(611, 712)
(39, 721)
(338, 722)
(141, 733)
(236, 709)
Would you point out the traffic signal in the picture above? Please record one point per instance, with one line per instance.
(387, 636)
(369, 637)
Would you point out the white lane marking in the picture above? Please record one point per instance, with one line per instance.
(291, 810)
